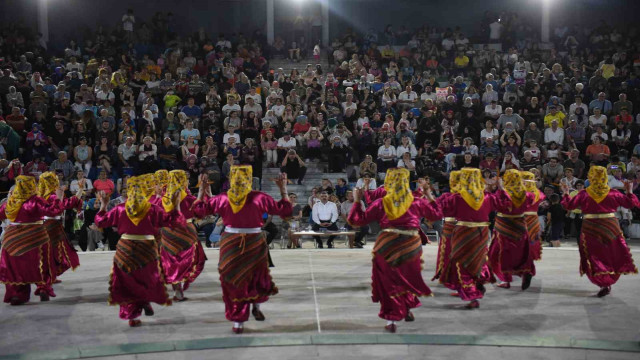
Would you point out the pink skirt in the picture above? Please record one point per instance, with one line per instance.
(64, 255)
(185, 266)
(604, 263)
(510, 254)
(32, 267)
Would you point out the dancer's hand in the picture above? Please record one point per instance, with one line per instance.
(366, 182)
(175, 199)
(104, 200)
(429, 195)
(60, 193)
(281, 182)
(357, 195)
(628, 187)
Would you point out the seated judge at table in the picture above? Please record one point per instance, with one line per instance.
(324, 214)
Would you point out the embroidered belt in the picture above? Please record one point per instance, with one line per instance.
(450, 219)
(190, 220)
(472, 223)
(53, 218)
(40, 222)
(137, 237)
(235, 230)
(530, 213)
(508, 216)
(598, 216)
(402, 232)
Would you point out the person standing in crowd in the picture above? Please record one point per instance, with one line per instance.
(468, 264)
(63, 253)
(604, 254)
(25, 257)
(509, 253)
(396, 274)
(137, 278)
(244, 274)
(181, 253)
(531, 215)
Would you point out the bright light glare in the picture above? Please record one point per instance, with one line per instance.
(298, 1)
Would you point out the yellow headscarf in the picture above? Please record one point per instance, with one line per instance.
(240, 180)
(48, 184)
(598, 183)
(147, 183)
(162, 177)
(514, 186)
(137, 204)
(25, 188)
(177, 181)
(454, 181)
(471, 187)
(529, 182)
(399, 197)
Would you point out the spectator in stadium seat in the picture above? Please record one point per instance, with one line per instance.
(337, 154)
(293, 166)
(554, 133)
(552, 171)
(601, 103)
(554, 115)
(63, 164)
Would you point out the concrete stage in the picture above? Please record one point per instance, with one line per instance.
(324, 310)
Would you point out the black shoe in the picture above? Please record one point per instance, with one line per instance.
(526, 281)
(481, 288)
(299, 182)
(320, 245)
(207, 244)
(604, 291)
(148, 310)
(330, 245)
(359, 245)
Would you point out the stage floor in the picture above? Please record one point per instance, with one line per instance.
(324, 310)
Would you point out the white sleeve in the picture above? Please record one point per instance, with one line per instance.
(314, 214)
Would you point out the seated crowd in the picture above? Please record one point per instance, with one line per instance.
(123, 103)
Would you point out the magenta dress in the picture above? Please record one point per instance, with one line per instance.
(64, 255)
(533, 228)
(397, 256)
(509, 253)
(604, 254)
(181, 253)
(136, 276)
(26, 256)
(467, 268)
(243, 264)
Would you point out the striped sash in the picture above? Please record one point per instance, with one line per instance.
(447, 228)
(533, 226)
(469, 248)
(55, 231)
(20, 239)
(396, 248)
(605, 229)
(512, 228)
(177, 239)
(132, 255)
(241, 255)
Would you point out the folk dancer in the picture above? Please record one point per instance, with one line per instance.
(604, 254)
(397, 254)
(26, 255)
(136, 277)
(243, 264)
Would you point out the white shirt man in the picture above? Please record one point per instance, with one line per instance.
(225, 138)
(372, 184)
(410, 96)
(256, 97)
(554, 133)
(287, 144)
(428, 96)
(493, 111)
(75, 186)
(324, 212)
(231, 107)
